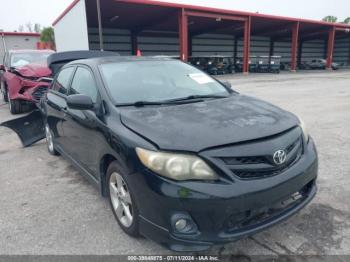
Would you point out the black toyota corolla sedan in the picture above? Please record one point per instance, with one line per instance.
(184, 160)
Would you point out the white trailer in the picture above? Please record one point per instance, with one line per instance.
(71, 31)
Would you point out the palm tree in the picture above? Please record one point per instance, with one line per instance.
(330, 18)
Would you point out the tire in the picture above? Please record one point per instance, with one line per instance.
(4, 92)
(50, 142)
(15, 106)
(121, 200)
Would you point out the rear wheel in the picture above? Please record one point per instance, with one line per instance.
(122, 201)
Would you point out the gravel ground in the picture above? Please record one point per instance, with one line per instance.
(47, 208)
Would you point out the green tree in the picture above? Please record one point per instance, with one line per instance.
(330, 18)
(47, 35)
(347, 21)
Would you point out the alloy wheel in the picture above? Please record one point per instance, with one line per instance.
(121, 199)
(49, 139)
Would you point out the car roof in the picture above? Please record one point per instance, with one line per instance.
(119, 59)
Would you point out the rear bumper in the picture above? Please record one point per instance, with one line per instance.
(222, 213)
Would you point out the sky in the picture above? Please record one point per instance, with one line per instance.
(19, 12)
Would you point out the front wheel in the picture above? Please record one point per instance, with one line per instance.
(122, 201)
(50, 141)
(15, 106)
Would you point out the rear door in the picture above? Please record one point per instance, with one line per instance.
(57, 104)
(81, 127)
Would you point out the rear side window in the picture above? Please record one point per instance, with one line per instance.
(62, 82)
(84, 83)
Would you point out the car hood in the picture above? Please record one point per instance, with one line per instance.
(34, 70)
(197, 126)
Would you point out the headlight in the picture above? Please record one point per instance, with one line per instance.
(303, 127)
(176, 166)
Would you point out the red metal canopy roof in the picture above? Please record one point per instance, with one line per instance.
(214, 10)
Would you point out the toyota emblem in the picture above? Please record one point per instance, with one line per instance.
(279, 157)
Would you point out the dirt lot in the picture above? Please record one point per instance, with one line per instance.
(46, 207)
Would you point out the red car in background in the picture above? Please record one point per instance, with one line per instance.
(25, 78)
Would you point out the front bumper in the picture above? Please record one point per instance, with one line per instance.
(28, 90)
(227, 214)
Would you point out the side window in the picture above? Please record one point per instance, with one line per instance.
(84, 83)
(62, 81)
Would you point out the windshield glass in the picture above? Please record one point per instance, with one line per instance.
(22, 59)
(156, 81)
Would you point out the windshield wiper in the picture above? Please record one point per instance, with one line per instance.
(192, 97)
(141, 103)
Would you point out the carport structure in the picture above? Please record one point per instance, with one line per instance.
(161, 28)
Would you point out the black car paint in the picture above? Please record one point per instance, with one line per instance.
(91, 139)
(163, 125)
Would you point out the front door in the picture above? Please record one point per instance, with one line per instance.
(81, 127)
(57, 105)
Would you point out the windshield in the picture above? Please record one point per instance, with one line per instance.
(156, 81)
(22, 59)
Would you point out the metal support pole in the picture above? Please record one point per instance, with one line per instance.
(3, 42)
(100, 33)
(246, 50)
(183, 35)
(295, 40)
(272, 47)
(134, 43)
(330, 50)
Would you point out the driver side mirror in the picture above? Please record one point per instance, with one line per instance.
(227, 84)
(80, 102)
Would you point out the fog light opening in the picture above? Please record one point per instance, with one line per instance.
(183, 224)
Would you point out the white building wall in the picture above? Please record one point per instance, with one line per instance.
(71, 31)
(15, 42)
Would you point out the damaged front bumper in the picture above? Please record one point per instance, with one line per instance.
(29, 128)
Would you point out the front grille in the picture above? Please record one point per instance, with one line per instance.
(244, 160)
(256, 167)
(39, 92)
(253, 160)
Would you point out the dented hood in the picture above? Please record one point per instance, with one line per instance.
(197, 126)
(34, 70)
